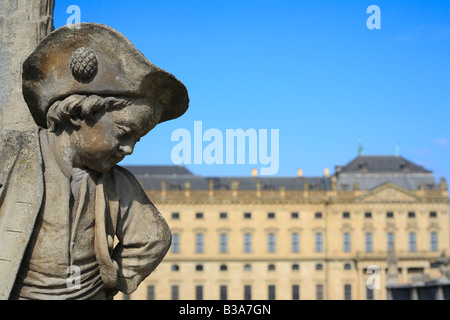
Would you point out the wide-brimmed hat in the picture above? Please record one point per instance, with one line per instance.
(95, 59)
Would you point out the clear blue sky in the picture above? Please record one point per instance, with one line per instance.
(311, 69)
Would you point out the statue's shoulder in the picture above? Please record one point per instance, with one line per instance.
(125, 179)
(126, 185)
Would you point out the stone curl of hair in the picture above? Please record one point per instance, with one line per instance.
(80, 107)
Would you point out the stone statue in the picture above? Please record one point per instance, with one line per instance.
(63, 199)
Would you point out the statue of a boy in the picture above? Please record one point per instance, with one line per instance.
(63, 199)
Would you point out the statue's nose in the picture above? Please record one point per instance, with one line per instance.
(126, 149)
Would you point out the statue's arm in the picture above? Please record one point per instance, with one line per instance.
(144, 236)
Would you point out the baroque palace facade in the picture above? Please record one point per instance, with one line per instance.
(296, 237)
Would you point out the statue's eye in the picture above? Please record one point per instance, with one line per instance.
(123, 129)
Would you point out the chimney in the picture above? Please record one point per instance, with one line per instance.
(163, 188)
(211, 188)
(326, 172)
(300, 173)
(187, 188)
(254, 172)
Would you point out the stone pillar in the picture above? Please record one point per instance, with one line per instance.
(23, 23)
(187, 189)
(235, 187)
(211, 188)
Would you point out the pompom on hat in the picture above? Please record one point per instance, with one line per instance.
(95, 59)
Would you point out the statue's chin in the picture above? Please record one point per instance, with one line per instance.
(107, 164)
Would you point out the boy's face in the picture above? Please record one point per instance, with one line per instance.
(106, 141)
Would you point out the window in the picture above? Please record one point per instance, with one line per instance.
(223, 243)
(369, 293)
(411, 214)
(150, 292)
(433, 214)
(247, 215)
(223, 215)
(318, 243)
(368, 215)
(175, 292)
(390, 241)
(347, 266)
(389, 214)
(271, 215)
(199, 267)
(294, 215)
(175, 267)
(223, 292)
(295, 267)
(433, 241)
(295, 292)
(368, 242)
(319, 266)
(199, 243)
(247, 243)
(318, 215)
(319, 291)
(412, 242)
(295, 245)
(346, 242)
(348, 292)
(199, 292)
(199, 215)
(271, 267)
(271, 293)
(271, 243)
(223, 267)
(175, 215)
(346, 215)
(248, 267)
(175, 243)
(247, 292)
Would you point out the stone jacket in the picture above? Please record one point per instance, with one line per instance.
(122, 209)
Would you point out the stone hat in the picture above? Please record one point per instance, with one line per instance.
(95, 59)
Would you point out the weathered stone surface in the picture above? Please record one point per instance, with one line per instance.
(23, 23)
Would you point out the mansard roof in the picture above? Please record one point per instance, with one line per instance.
(381, 164)
(365, 172)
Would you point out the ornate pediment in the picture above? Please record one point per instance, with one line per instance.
(389, 192)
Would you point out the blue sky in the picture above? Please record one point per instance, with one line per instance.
(311, 69)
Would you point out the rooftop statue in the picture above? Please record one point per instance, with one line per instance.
(63, 199)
